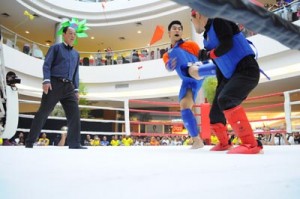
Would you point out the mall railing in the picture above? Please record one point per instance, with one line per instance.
(290, 12)
(38, 50)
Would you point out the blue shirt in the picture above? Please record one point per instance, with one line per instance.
(62, 61)
(104, 143)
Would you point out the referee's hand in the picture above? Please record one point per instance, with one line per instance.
(46, 88)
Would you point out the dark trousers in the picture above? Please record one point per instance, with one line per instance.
(62, 92)
(232, 92)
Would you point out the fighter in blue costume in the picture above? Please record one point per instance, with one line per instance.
(177, 58)
(237, 74)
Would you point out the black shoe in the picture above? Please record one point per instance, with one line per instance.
(28, 145)
(77, 147)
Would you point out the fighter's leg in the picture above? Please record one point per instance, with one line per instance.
(232, 95)
(218, 123)
(189, 120)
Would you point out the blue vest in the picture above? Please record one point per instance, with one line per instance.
(183, 57)
(228, 62)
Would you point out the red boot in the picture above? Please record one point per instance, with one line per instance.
(238, 120)
(221, 132)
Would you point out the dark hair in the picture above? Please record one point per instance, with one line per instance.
(174, 22)
(65, 29)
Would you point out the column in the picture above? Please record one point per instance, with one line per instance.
(58, 38)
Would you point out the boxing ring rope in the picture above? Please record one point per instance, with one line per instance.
(287, 104)
(125, 110)
(163, 123)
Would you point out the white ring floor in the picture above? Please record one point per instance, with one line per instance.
(147, 172)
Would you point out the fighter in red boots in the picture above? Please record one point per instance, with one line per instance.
(237, 74)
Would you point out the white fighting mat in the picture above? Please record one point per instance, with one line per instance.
(148, 173)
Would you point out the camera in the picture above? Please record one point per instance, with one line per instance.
(12, 79)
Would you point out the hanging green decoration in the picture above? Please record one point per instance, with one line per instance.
(79, 27)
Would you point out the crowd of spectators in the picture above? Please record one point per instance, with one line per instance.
(109, 57)
(287, 9)
(276, 138)
(126, 140)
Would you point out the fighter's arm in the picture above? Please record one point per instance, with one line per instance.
(199, 71)
(224, 30)
(170, 63)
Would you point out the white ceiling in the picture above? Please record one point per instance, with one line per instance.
(42, 28)
(107, 24)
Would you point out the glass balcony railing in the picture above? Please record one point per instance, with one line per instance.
(290, 12)
(38, 50)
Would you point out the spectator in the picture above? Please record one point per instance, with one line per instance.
(139, 142)
(20, 140)
(119, 59)
(26, 48)
(297, 138)
(96, 141)
(127, 141)
(153, 141)
(43, 141)
(110, 61)
(115, 141)
(104, 141)
(188, 141)
(37, 52)
(88, 141)
(135, 56)
(165, 141)
(125, 61)
(98, 58)
(109, 57)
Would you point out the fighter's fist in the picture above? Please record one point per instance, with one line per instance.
(171, 64)
(203, 55)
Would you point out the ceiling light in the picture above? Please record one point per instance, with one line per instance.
(264, 117)
(27, 32)
(92, 37)
(139, 32)
(48, 42)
